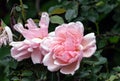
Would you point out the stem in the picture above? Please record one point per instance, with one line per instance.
(23, 11)
(97, 28)
(58, 76)
(52, 77)
(107, 69)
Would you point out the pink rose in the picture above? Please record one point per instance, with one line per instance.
(6, 35)
(65, 48)
(30, 47)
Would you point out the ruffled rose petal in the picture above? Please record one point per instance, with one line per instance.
(20, 55)
(19, 27)
(44, 21)
(30, 24)
(70, 69)
(89, 45)
(49, 62)
(36, 56)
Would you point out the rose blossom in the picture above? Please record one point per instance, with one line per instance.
(64, 49)
(5, 35)
(33, 36)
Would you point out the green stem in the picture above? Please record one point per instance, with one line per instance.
(23, 11)
(107, 69)
(97, 28)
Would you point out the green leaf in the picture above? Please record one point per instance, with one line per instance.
(112, 78)
(117, 68)
(92, 16)
(18, 8)
(97, 69)
(70, 14)
(27, 73)
(84, 74)
(101, 60)
(4, 51)
(102, 43)
(100, 3)
(3, 24)
(15, 78)
(72, 10)
(57, 11)
(25, 6)
(25, 79)
(56, 19)
(114, 39)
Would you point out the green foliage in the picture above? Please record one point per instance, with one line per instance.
(99, 16)
(56, 19)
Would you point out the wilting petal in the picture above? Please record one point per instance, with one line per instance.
(9, 33)
(89, 45)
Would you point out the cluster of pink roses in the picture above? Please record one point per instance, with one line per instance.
(62, 49)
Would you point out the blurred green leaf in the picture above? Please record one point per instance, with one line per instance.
(25, 79)
(102, 60)
(27, 73)
(56, 19)
(84, 74)
(92, 16)
(25, 6)
(3, 24)
(15, 78)
(114, 39)
(4, 51)
(97, 69)
(117, 68)
(18, 8)
(70, 14)
(56, 10)
(102, 43)
(100, 3)
(112, 78)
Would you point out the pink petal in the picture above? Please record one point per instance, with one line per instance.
(70, 69)
(60, 31)
(44, 21)
(19, 27)
(46, 45)
(19, 50)
(19, 55)
(9, 33)
(72, 30)
(36, 56)
(49, 62)
(31, 24)
(89, 45)
(33, 33)
(69, 44)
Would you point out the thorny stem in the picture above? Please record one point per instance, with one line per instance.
(23, 11)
